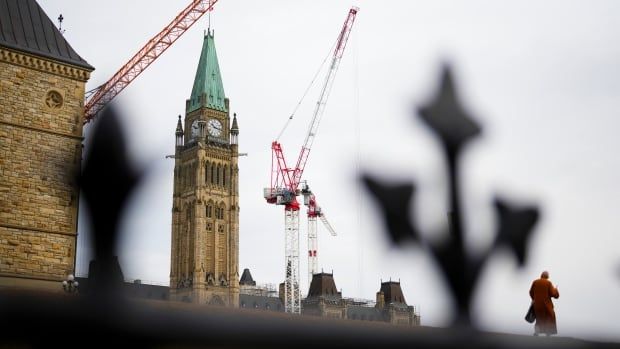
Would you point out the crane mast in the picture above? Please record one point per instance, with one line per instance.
(285, 181)
(313, 211)
(99, 97)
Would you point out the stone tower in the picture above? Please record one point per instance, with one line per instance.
(205, 209)
(41, 113)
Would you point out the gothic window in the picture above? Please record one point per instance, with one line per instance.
(209, 210)
(221, 228)
(218, 175)
(209, 226)
(207, 173)
(219, 211)
(213, 173)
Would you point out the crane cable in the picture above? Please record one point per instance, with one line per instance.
(288, 121)
(358, 189)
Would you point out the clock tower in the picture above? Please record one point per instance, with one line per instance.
(204, 265)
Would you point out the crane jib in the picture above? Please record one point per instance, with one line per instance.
(147, 55)
(285, 181)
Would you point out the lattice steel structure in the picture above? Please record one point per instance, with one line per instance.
(285, 180)
(102, 95)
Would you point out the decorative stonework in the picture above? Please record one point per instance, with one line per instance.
(54, 99)
(43, 64)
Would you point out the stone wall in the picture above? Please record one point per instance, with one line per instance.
(41, 110)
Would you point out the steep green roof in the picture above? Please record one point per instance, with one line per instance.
(208, 90)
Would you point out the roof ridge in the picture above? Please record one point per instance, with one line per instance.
(24, 26)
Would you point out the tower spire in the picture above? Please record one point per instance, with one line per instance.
(234, 131)
(208, 89)
(179, 133)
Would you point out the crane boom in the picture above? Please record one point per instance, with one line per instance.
(341, 43)
(285, 182)
(103, 94)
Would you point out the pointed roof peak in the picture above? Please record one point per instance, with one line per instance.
(208, 89)
(179, 126)
(246, 278)
(235, 125)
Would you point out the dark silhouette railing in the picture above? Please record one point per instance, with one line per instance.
(455, 128)
(104, 317)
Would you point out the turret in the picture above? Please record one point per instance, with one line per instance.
(234, 131)
(179, 134)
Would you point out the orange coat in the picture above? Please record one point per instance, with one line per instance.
(541, 292)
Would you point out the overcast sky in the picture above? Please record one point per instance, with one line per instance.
(543, 78)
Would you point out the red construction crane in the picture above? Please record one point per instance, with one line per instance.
(313, 211)
(102, 95)
(285, 180)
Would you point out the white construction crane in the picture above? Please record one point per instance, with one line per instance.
(314, 211)
(285, 180)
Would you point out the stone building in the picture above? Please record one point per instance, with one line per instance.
(205, 208)
(42, 82)
(325, 300)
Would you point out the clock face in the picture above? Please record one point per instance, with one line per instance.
(214, 127)
(195, 129)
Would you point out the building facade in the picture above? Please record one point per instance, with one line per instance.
(42, 81)
(325, 300)
(205, 210)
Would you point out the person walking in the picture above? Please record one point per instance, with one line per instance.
(541, 292)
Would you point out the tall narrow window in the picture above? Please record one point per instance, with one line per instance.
(207, 173)
(224, 184)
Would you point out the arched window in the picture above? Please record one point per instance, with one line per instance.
(207, 168)
(213, 173)
(209, 210)
(218, 175)
(224, 177)
(220, 211)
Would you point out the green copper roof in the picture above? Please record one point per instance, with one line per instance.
(208, 90)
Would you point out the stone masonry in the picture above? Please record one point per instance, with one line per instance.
(41, 109)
